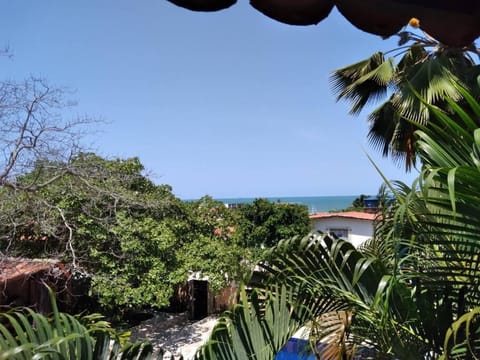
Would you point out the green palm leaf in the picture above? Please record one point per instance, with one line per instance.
(363, 82)
(463, 337)
(433, 79)
(441, 218)
(258, 327)
(420, 78)
(27, 335)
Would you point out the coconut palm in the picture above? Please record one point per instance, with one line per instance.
(421, 64)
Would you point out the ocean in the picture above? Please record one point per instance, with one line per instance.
(314, 203)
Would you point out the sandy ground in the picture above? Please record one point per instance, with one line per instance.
(175, 333)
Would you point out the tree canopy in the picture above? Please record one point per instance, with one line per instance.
(132, 241)
(107, 220)
(264, 223)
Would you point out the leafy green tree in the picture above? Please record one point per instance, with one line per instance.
(131, 240)
(359, 201)
(357, 204)
(106, 219)
(212, 249)
(264, 223)
(37, 133)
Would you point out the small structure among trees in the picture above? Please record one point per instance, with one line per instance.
(25, 282)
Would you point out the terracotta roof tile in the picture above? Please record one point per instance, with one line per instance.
(347, 214)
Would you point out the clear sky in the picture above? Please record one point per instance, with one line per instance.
(230, 104)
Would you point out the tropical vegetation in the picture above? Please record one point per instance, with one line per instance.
(26, 335)
(262, 223)
(420, 65)
(129, 241)
(409, 293)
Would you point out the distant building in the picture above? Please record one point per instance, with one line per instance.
(353, 226)
(371, 204)
(233, 205)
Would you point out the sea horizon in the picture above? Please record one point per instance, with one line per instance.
(314, 203)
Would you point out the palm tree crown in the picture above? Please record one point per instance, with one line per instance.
(426, 68)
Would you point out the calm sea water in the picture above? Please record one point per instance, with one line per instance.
(314, 203)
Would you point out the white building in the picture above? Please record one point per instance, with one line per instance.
(353, 226)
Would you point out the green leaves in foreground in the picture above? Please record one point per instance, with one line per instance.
(312, 281)
(27, 335)
(463, 337)
(258, 327)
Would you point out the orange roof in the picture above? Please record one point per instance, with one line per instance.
(346, 214)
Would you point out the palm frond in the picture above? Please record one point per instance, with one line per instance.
(441, 219)
(434, 80)
(353, 281)
(462, 340)
(392, 134)
(26, 334)
(363, 82)
(258, 327)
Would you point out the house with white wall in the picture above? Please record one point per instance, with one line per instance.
(353, 226)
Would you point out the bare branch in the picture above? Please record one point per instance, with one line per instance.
(34, 129)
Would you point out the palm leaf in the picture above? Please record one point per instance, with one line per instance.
(333, 269)
(258, 327)
(391, 133)
(433, 80)
(363, 82)
(443, 221)
(25, 334)
(434, 75)
(463, 337)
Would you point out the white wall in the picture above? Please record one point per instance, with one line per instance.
(358, 230)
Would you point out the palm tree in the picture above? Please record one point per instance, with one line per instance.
(425, 66)
(412, 292)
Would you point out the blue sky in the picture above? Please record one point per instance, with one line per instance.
(230, 104)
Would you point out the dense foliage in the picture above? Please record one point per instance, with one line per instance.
(130, 240)
(26, 335)
(210, 249)
(264, 223)
(107, 220)
(411, 292)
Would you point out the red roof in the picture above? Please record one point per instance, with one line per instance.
(346, 214)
